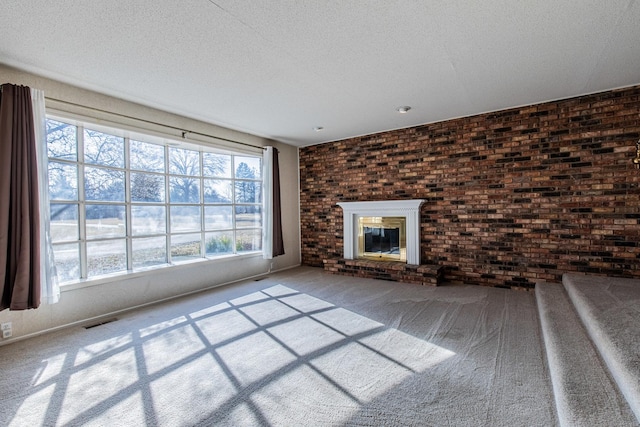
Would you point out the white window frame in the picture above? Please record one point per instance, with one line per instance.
(167, 144)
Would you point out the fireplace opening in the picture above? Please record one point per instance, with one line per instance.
(382, 238)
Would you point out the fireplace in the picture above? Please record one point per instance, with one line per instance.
(386, 230)
(382, 238)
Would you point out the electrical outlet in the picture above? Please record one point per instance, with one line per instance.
(6, 330)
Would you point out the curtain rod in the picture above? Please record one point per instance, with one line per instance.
(184, 131)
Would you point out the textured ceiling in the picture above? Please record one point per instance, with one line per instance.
(280, 68)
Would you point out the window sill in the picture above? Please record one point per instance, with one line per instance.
(115, 277)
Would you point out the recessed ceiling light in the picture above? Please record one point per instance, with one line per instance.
(403, 110)
(318, 128)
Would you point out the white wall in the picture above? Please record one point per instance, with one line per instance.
(107, 296)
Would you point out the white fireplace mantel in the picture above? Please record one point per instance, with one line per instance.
(409, 209)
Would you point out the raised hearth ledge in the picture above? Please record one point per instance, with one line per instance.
(427, 274)
(409, 209)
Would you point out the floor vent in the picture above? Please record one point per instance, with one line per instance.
(104, 322)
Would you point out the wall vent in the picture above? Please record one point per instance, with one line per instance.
(104, 322)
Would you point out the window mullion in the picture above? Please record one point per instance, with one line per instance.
(82, 218)
(127, 207)
(202, 235)
(234, 245)
(167, 204)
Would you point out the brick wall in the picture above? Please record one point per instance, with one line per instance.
(512, 196)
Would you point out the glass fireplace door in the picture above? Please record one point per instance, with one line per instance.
(382, 238)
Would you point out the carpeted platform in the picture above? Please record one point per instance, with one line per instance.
(591, 329)
(610, 310)
(297, 348)
(585, 393)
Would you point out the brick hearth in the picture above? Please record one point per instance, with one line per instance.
(386, 270)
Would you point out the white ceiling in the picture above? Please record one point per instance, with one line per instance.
(280, 68)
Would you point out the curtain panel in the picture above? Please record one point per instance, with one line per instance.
(272, 244)
(278, 243)
(50, 288)
(19, 212)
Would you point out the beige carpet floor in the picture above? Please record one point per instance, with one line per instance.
(297, 348)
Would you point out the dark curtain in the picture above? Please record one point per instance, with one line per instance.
(278, 244)
(19, 214)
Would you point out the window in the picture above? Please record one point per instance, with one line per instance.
(122, 204)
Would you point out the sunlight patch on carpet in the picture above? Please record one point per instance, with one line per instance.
(90, 352)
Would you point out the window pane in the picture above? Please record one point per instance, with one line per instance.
(218, 165)
(64, 222)
(184, 162)
(146, 157)
(218, 191)
(63, 181)
(149, 251)
(248, 167)
(67, 259)
(248, 216)
(62, 142)
(103, 149)
(248, 192)
(219, 243)
(248, 240)
(105, 257)
(185, 247)
(105, 221)
(184, 190)
(185, 218)
(103, 184)
(146, 187)
(218, 217)
(148, 220)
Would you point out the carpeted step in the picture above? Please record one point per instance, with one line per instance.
(585, 394)
(610, 311)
